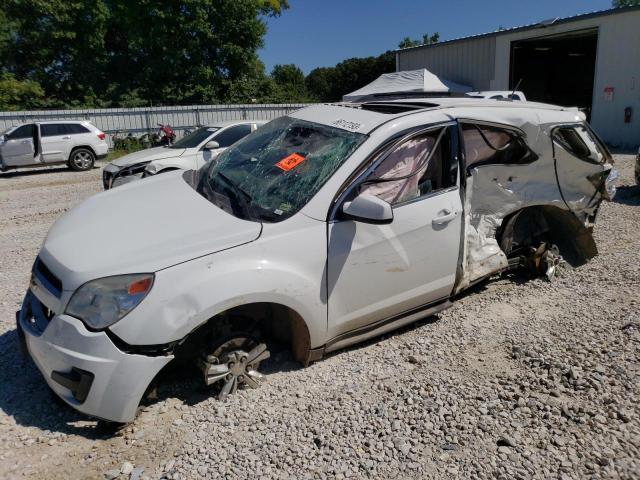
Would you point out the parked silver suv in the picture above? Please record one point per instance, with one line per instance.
(76, 143)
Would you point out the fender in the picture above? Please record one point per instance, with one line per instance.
(187, 295)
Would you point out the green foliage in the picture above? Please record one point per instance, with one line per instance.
(330, 84)
(427, 39)
(290, 84)
(625, 3)
(19, 95)
(120, 53)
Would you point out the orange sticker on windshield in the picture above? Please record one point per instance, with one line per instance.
(290, 161)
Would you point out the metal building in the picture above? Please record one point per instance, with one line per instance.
(591, 61)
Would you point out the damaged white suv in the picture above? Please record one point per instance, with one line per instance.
(321, 229)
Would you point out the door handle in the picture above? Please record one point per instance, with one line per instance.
(66, 137)
(446, 217)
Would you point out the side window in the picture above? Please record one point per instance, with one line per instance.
(52, 129)
(25, 131)
(491, 145)
(232, 135)
(577, 140)
(415, 168)
(74, 128)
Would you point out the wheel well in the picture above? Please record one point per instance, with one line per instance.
(275, 322)
(87, 147)
(530, 226)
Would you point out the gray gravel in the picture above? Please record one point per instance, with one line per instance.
(517, 380)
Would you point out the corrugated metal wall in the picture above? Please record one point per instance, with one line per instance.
(470, 62)
(483, 63)
(142, 120)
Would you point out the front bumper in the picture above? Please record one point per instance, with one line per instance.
(113, 176)
(85, 368)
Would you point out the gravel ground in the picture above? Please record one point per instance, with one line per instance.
(520, 379)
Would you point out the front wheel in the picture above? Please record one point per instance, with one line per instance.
(234, 363)
(81, 159)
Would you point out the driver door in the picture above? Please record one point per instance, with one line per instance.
(19, 147)
(379, 271)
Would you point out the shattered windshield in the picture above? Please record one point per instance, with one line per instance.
(195, 138)
(272, 173)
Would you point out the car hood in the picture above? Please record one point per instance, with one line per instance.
(148, 155)
(140, 227)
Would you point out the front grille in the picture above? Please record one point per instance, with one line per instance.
(48, 279)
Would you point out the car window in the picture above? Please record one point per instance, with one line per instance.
(25, 131)
(492, 145)
(231, 135)
(75, 128)
(514, 96)
(52, 129)
(413, 169)
(195, 138)
(577, 140)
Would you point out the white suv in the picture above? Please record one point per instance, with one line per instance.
(321, 229)
(76, 143)
(189, 153)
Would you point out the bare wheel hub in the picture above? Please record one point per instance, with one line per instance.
(233, 367)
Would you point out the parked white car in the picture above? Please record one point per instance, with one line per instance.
(76, 143)
(189, 153)
(499, 95)
(323, 228)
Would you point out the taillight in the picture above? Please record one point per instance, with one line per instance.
(101, 135)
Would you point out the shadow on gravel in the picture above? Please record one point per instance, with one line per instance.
(38, 171)
(26, 398)
(628, 195)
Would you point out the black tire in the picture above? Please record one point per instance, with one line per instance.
(81, 159)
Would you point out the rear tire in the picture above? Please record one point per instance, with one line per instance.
(81, 159)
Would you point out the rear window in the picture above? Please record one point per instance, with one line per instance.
(578, 141)
(52, 129)
(493, 145)
(55, 129)
(76, 128)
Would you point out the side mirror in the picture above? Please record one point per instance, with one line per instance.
(368, 209)
(211, 145)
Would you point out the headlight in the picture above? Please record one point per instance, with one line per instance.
(102, 302)
(133, 169)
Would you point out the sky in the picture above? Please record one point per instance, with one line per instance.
(321, 33)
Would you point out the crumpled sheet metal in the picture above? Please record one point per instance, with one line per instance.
(495, 191)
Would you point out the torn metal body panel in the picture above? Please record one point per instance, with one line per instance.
(555, 179)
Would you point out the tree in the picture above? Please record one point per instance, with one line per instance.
(117, 52)
(330, 84)
(625, 3)
(427, 39)
(19, 94)
(290, 83)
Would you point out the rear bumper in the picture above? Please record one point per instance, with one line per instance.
(102, 149)
(84, 368)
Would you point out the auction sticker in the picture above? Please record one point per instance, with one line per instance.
(290, 161)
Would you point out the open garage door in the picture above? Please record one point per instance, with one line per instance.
(556, 69)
